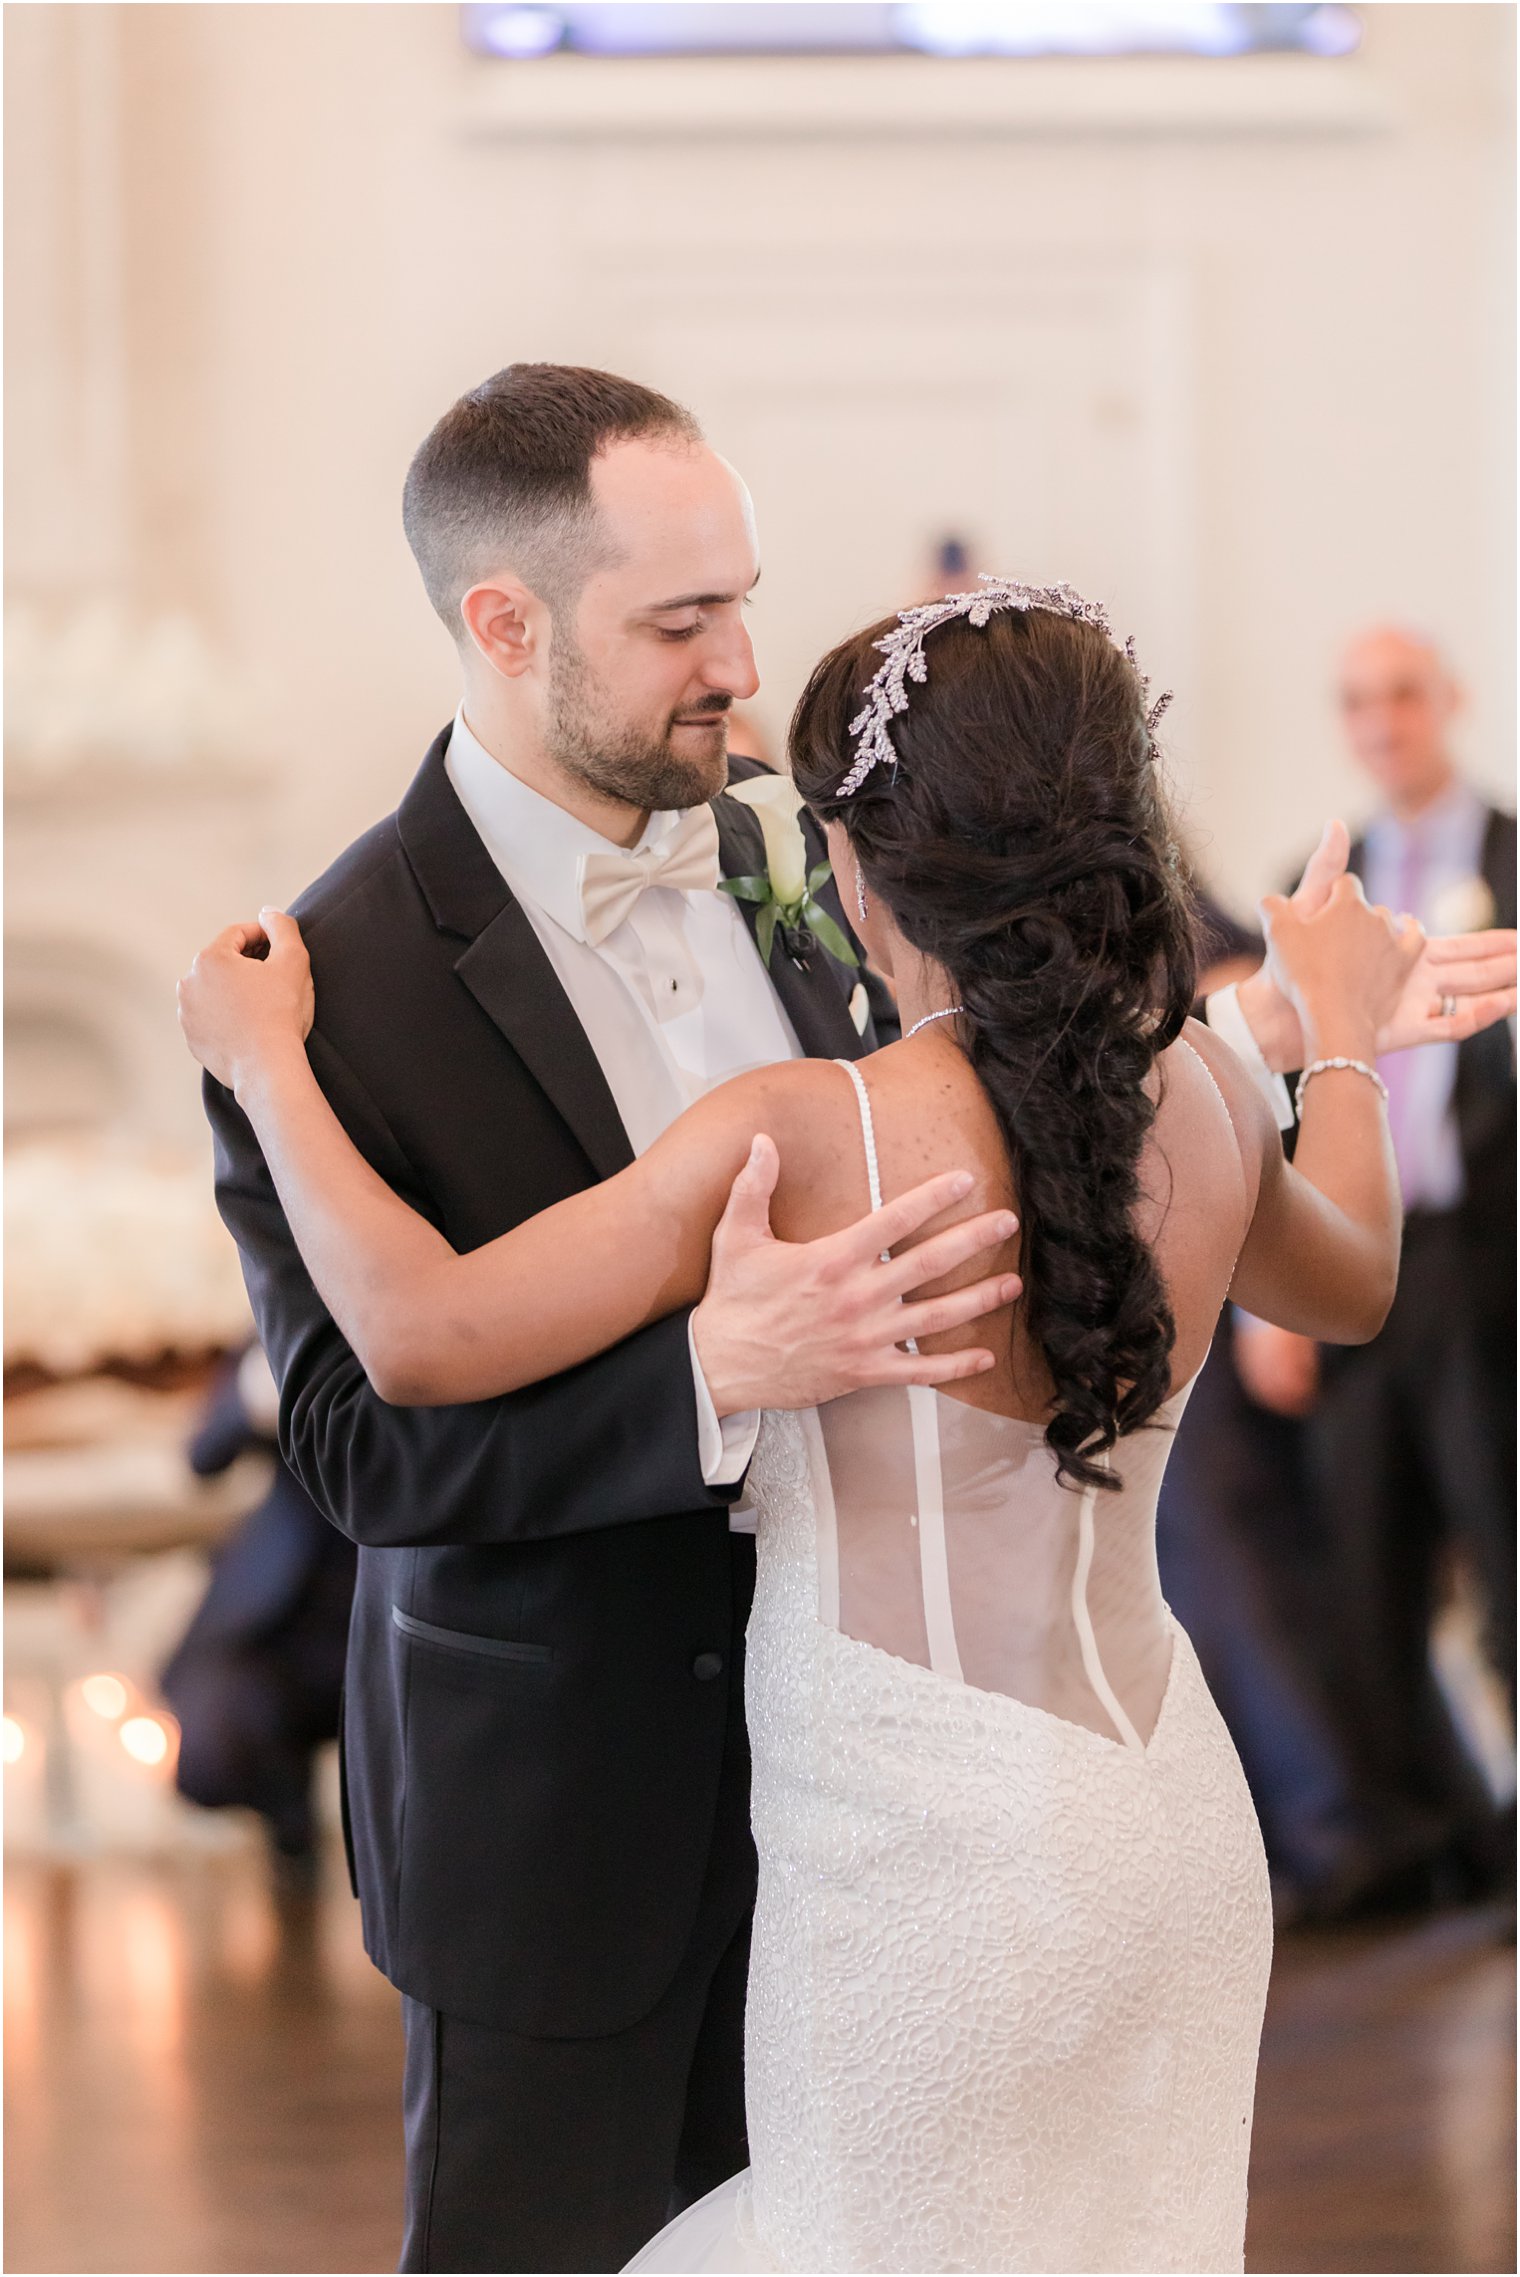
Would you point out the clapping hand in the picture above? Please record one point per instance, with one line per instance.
(1455, 988)
(248, 995)
(1342, 965)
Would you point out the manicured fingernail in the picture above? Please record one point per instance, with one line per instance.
(1009, 1224)
(984, 1363)
(1011, 1288)
(963, 1182)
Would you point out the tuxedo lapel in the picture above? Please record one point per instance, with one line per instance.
(816, 994)
(507, 971)
(1497, 864)
(504, 965)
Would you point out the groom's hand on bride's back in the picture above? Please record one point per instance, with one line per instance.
(790, 1324)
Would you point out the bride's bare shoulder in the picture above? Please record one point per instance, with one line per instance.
(803, 1104)
(1212, 1121)
(786, 1097)
(809, 1107)
(1202, 1064)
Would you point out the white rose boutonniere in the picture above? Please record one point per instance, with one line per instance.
(786, 894)
(1465, 907)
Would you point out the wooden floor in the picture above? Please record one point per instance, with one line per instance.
(198, 2080)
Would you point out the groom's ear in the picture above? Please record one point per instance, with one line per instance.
(507, 624)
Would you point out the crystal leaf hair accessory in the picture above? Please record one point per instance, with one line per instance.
(903, 649)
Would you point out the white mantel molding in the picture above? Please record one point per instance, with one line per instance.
(573, 97)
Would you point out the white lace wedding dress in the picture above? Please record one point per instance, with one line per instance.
(1012, 1935)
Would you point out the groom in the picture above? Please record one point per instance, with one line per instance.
(522, 977)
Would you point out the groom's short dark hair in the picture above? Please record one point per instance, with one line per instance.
(504, 479)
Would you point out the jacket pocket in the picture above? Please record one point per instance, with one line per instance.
(464, 1640)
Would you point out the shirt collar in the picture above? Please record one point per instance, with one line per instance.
(535, 844)
(1450, 828)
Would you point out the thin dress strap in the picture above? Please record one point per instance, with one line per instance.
(867, 1132)
(933, 1559)
(873, 1167)
(1213, 1085)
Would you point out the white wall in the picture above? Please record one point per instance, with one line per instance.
(1254, 385)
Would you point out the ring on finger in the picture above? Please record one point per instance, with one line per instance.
(1448, 1008)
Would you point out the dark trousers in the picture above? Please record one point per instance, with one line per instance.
(1242, 1558)
(1414, 1446)
(543, 2154)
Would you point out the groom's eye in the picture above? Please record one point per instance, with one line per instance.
(681, 632)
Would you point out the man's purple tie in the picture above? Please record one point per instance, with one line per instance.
(1398, 1069)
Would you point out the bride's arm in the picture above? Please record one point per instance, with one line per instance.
(1321, 1254)
(432, 1327)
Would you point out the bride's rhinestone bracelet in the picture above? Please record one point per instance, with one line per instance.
(1319, 1067)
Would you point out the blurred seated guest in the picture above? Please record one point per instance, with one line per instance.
(1239, 1551)
(1414, 1433)
(257, 1680)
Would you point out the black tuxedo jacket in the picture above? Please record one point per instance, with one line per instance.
(1484, 1104)
(533, 1729)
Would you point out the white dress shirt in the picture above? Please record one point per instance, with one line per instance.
(673, 1001)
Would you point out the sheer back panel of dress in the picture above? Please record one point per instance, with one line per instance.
(947, 1540)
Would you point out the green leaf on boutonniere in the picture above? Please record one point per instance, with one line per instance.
(747, 889)
(819, 875)
(828, 933)
(765, 929)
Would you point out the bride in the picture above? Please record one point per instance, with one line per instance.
(1012, 1936)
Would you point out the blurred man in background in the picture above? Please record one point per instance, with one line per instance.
(1412, 1435)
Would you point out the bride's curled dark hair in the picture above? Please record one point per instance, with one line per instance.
(1024, 845)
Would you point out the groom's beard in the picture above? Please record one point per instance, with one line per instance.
(586, 738)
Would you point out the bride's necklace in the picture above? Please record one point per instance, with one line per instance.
(948, 1013)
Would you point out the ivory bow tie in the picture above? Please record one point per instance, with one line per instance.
(686, 858)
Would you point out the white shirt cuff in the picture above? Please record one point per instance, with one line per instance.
(1230, 1025)
(723, 1449)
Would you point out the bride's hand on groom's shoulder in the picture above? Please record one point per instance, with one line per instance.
(247, 996)
(793, 1324)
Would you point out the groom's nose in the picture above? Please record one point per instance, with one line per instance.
(730, 662)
